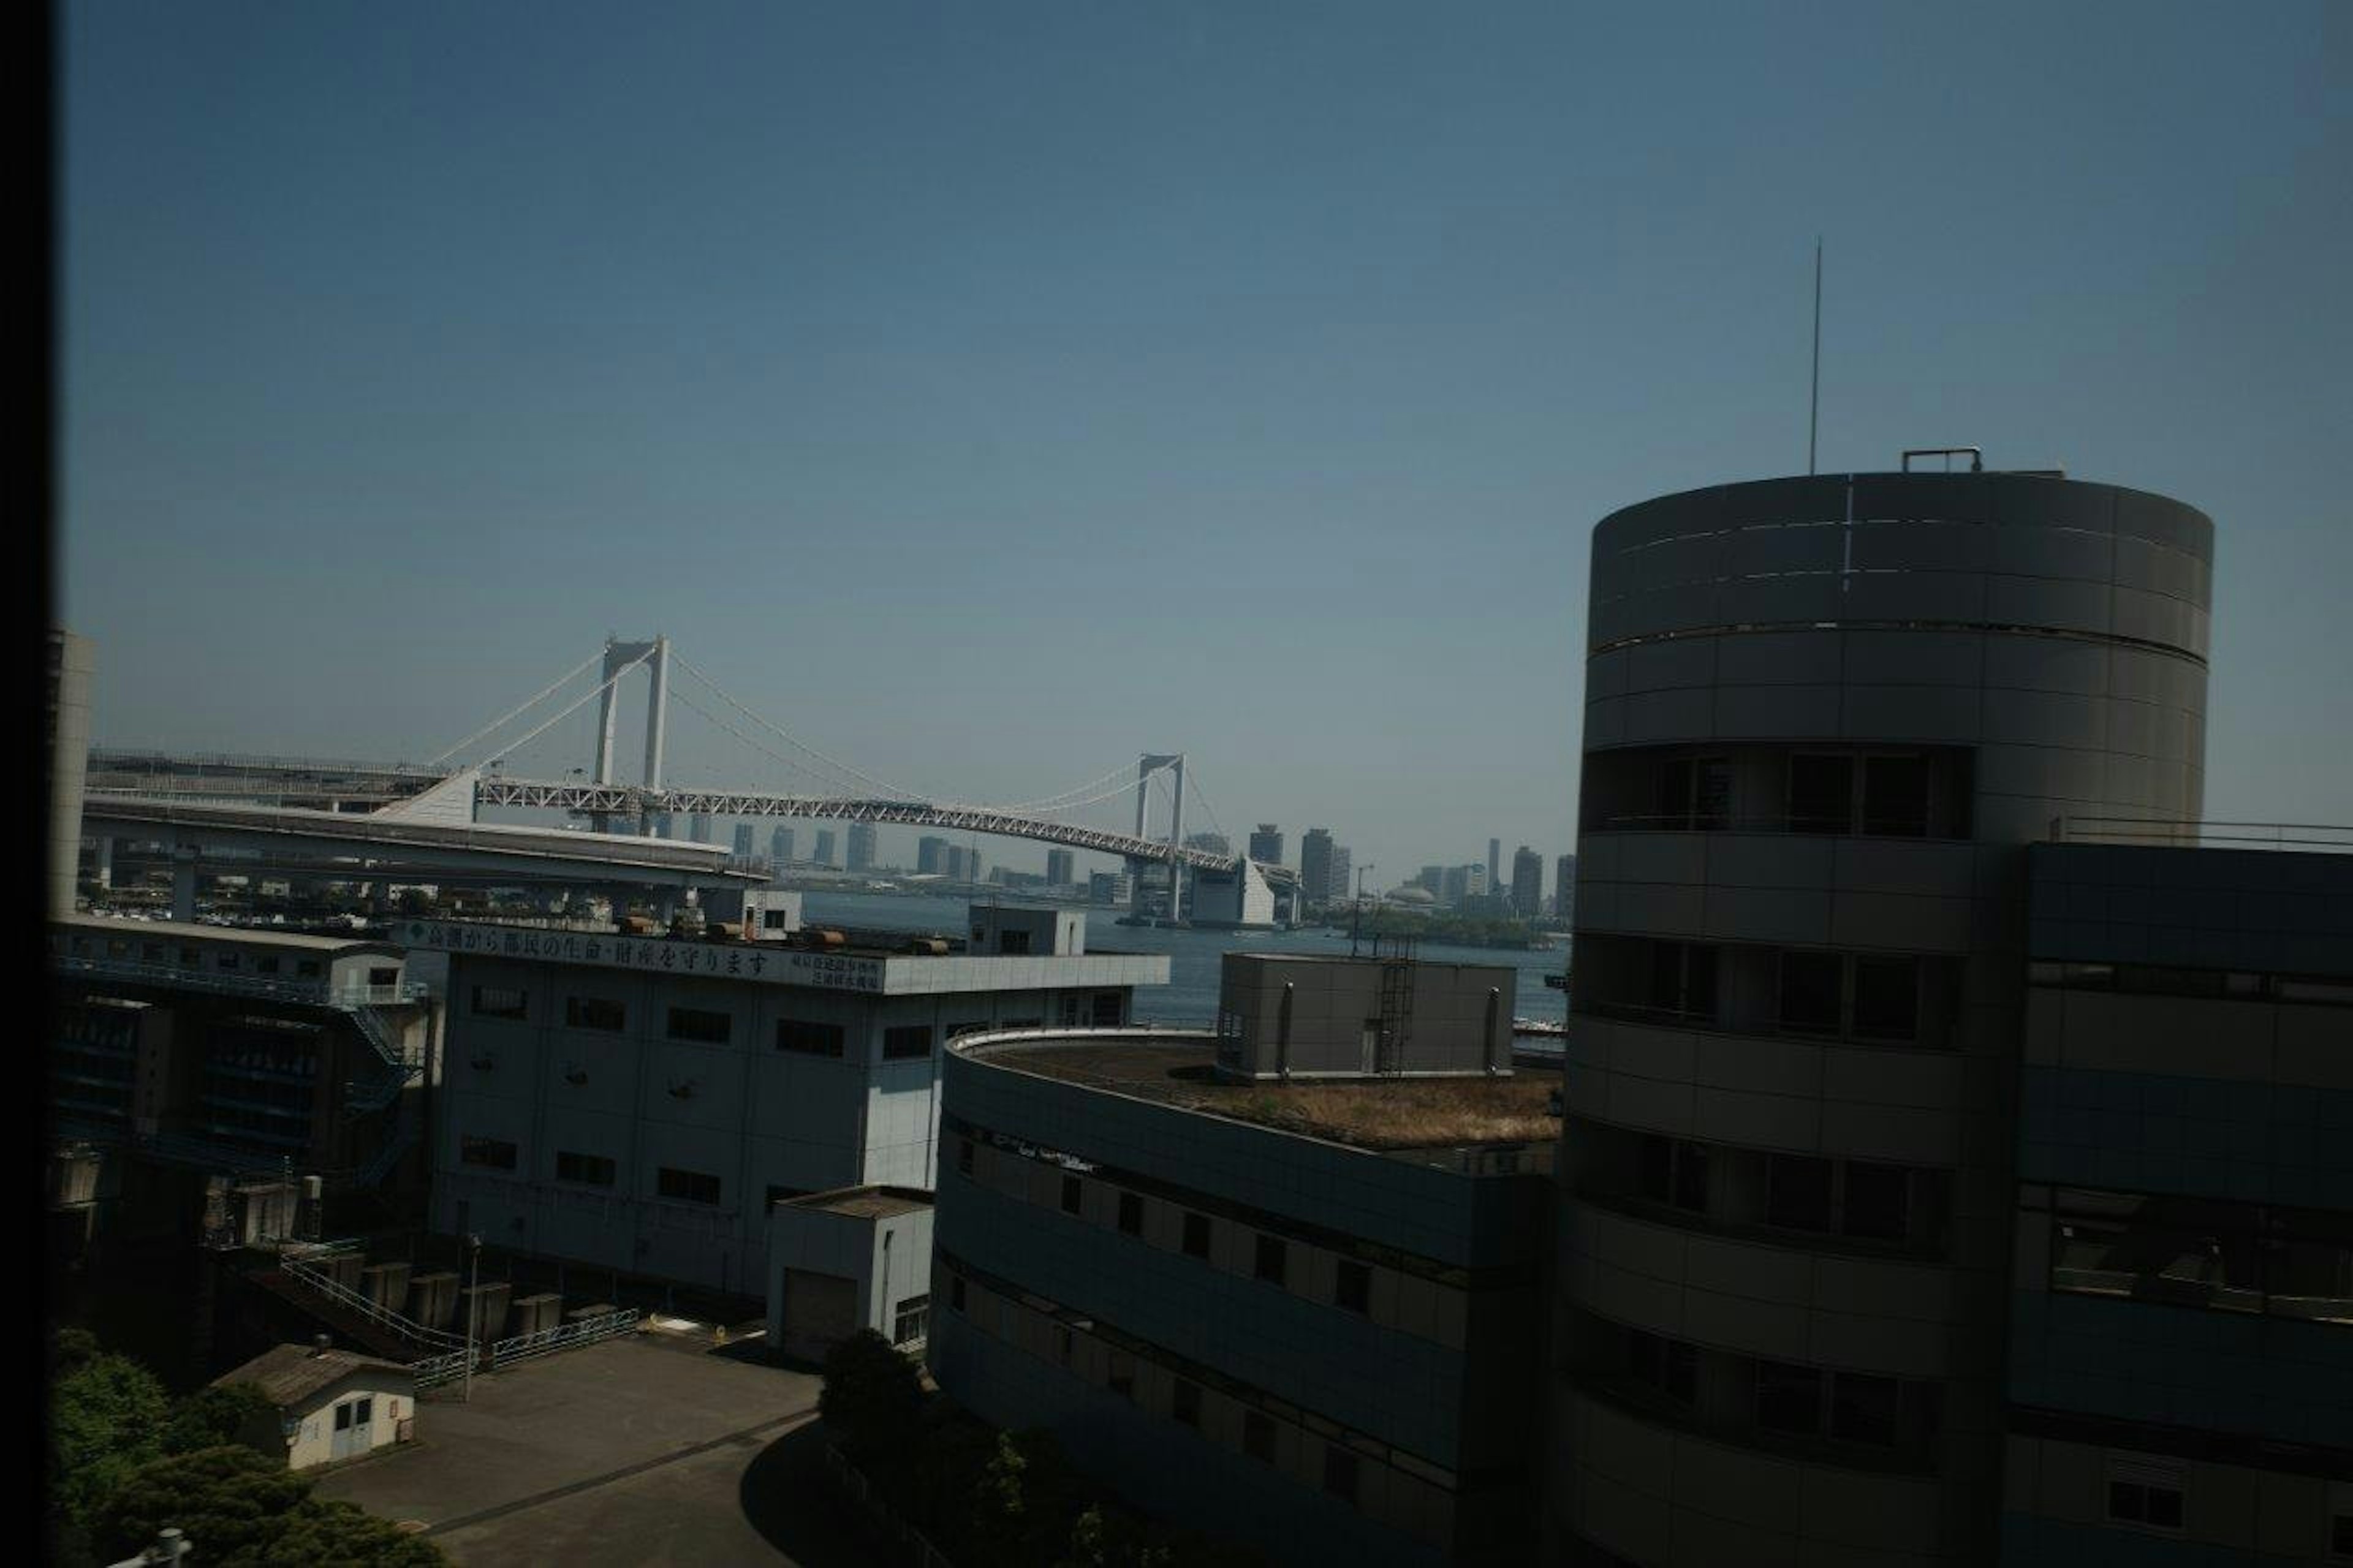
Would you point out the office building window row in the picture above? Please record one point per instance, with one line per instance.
(592, 1170)
(1867, 792)
(1301, 1260)
(1875, 1204)
(1393, 1487)
(905, 1041)
(1867, 998)
(686, 1186)
(811, 1037)
(1833, 1414)
(2157, 980)
(2204, 1253)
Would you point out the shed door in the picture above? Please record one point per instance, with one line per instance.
(354, 1427)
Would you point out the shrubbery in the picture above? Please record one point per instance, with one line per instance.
(124, 1461)
(987, 1499)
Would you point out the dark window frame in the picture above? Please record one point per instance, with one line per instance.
(698, 1025)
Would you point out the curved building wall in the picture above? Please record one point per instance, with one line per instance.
(1823, 718)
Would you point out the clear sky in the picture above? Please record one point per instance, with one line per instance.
(989, 393)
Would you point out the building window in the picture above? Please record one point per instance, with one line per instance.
(702, 1025)
(1131, 1213)
(266, 964)
(911, 1321)
(1340, 1472)
(1258, 1436)
(1105, 1011)
(808, 1037)
(1185, 1403)
(964, 1156)
(1878, 1201)
(1352, 1287)
(593, 1170)
(1863, 1409)
(495, 1153)
(910, 1040)
(1798, 1192)
(1197, 1235)
(686, 1186)
(1821, 793)
(1788, 1398)
(1069, 1009)
(1683, 980)
(1886, 998)
(1071, 1195)
(595, 1013)
(1895, 796)
(2144, 1502)
(1271, 1262)
(384, 977)
(1694, 793)
(501, 1001)
(1674, 1172)
(1810, 983)
(1013, 943)
(1669, 1366)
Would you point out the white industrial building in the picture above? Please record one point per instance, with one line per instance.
(636, 1103)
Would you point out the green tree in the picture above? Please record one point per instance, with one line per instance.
(231, 1502)
(1001, 1522)
(872, 1397)
(323, 1532)
(105, 1419)
(212, 1417)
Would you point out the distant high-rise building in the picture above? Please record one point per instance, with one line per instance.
(1315, 865)
(1338, 879)
(959, 864)
(1215, 843)
(1564, 887)
(825, 846)
(743, 841)
(1528, 882)
(930, 856)
(1463, 882)
(1432, 880)
(698, 827)
(861, 846)
(1494, 863)
(1266, 845)
(780, 845)
(1061, 867)
(1114, 888)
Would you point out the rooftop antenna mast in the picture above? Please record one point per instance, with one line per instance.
(1814, 408)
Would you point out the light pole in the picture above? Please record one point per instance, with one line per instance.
(473, 1285)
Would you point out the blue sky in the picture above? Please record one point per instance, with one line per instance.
(989, 394)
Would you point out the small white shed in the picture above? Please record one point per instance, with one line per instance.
(332, 1404)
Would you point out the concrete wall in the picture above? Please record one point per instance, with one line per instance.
(1459, 1016)
(753, 1115)
(2039, 646)
(1429, 1383)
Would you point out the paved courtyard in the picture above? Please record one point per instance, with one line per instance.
(647, 1449)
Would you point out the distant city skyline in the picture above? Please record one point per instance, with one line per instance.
(465, 340)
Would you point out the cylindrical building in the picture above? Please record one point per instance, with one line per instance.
(71, 665)
(1824, 716)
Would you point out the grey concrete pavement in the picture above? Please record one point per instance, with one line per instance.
(638, 1450)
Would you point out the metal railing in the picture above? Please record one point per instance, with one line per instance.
(2196, 834)
(433, 1371)
(297, 1264)
(565, 1336)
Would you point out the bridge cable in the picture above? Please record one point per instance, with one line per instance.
(1119, 777)
(788, 762)
(795, 741)
(572, 707)
(504, 718)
